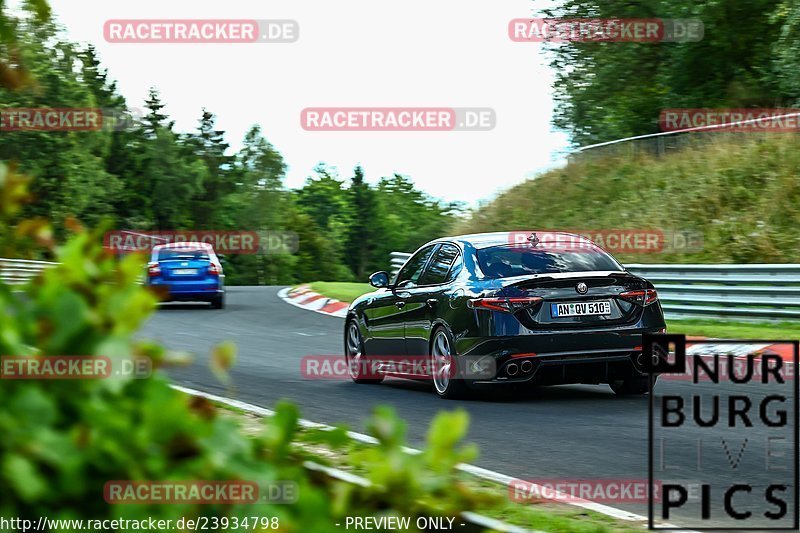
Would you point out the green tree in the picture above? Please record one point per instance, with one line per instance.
(324, 200)
(68, 165)
(15, 70)
(611, 90)
(259, 203)
(408, 218)
(363, 236)
(786, 50)
(155, 119)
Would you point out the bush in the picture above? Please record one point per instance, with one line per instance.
(64, 439)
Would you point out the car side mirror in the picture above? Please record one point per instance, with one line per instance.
(379, 280)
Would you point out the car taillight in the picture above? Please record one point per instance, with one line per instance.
(214, 270)
(153, 270)
(505, 305)
(641, 297)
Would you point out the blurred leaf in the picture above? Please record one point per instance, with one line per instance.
(21, 474)
(223, 356)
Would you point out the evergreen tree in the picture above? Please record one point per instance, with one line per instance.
(362, 235)
(155, 119)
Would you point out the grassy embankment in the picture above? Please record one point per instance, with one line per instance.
(345, 292)
(741, 195)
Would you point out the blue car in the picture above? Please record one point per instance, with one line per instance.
(187, 272)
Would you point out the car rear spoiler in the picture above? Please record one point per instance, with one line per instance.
(521, 280)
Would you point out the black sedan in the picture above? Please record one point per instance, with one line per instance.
(496, 310)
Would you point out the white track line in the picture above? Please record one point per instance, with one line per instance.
(482, 473)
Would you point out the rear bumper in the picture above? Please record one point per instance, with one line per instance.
(187, 290)
(593, 368)
(193, 296)
(562, 357)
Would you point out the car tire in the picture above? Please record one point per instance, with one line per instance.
(631, 386)
(218, 302)
(448, 383)
(354, 354)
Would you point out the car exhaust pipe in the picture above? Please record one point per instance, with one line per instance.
(526, 366)
(512, 369)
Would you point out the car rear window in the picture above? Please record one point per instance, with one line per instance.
(186, 255)
(509, 261)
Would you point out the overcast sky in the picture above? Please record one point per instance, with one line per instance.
(357, 53)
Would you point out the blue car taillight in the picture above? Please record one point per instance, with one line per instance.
(153, 270)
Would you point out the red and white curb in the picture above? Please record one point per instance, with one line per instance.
(303, 297)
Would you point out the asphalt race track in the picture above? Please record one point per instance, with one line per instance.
(566, 432)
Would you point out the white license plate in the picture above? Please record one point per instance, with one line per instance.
(185, 271)
(581, 309)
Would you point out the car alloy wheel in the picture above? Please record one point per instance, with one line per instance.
(441, 362)
(354, 355)
(444, 367)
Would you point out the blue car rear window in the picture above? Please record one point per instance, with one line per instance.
(190, 255)
(509, 261)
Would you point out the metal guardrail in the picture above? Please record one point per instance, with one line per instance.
(397, 261)
(729, 292)
(20, 271)
(732, 292)
(768, 292)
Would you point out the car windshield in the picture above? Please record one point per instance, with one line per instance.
(509, 261)
(182, 255)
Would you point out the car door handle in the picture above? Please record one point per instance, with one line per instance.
(432, 302)
(400, 305)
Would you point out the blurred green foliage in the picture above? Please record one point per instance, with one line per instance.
(64, 439)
